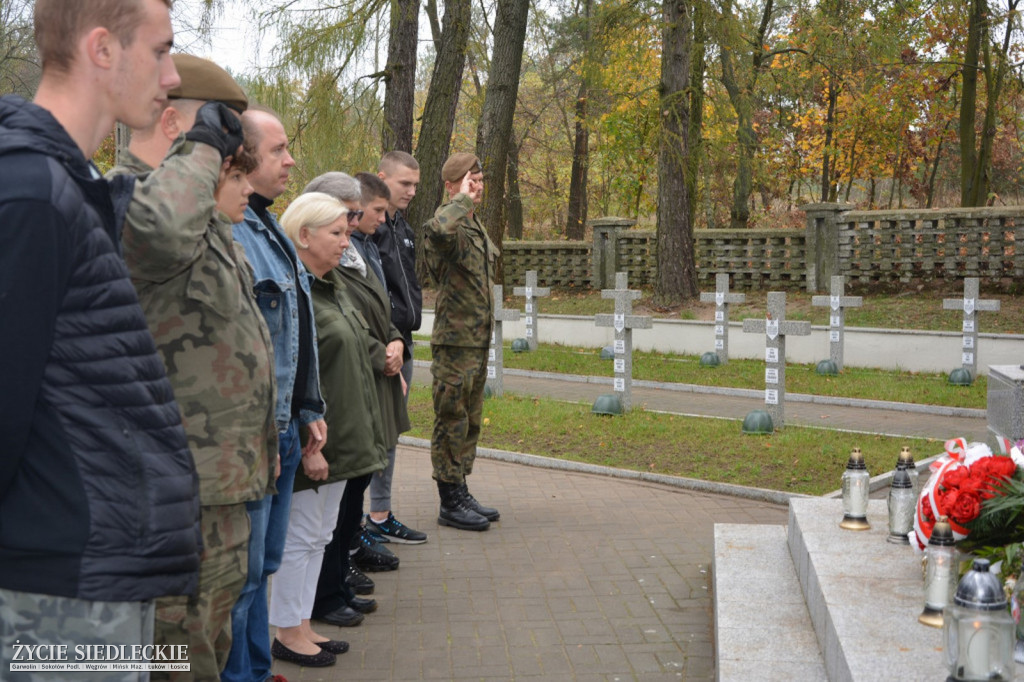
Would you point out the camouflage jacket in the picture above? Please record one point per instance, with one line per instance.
(461, 259)
(196, 290)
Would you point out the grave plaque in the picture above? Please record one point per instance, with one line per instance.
(775, 327)
(623, 322)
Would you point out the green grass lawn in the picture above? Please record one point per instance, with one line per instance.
(798, 460)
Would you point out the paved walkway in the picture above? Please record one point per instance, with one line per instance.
(586, 577)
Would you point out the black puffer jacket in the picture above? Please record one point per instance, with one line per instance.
(98, 491)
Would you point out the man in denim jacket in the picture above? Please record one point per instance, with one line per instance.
(283, 295)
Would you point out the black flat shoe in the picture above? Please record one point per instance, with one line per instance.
(363, 605)
(320, 660)
(335, 646)
(345, 617)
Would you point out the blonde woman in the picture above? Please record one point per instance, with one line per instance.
(318, 226)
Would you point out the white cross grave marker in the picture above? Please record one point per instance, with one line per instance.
(837, 305)
(722, 298)
(531, 292)
(775, 327)
(623, 322)
(970, 304)
(496, 354)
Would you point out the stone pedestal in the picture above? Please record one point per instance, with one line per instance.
(1006, 401)
(605, 253)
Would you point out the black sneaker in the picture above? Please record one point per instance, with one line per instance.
(357, 582)
(395, 531)
(370, 555)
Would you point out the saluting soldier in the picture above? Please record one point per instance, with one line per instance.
(461, 259)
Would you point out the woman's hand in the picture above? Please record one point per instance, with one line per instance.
(315, 467)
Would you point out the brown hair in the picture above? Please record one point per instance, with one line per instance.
(244, 161)
(372, 187)
(60, 23)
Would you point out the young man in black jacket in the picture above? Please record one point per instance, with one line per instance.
(396, 243)
(98, 491)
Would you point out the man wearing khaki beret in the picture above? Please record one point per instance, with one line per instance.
(196, 290)
(461, 259)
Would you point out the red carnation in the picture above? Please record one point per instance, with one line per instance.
(975, 483)
(953, 477)
(965, 508)
(1002, 467)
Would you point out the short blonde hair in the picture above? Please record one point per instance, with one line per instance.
(312, 210)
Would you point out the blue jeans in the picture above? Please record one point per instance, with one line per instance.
(250, 627)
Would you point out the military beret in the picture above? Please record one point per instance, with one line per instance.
(203, 80)
(458, 165)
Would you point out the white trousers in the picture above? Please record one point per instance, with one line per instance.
(311, 524)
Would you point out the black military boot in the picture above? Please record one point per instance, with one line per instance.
(455, 511)
(489, 513)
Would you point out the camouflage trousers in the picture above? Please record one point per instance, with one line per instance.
(459, 378)
(203, 621)
(28, 619)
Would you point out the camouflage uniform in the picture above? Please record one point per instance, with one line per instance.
(33, 619)
(195, 286)
(461, 259)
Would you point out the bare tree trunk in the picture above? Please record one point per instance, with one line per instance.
(695, 134)
(995, 74)
(400, 78)
(576, 219)
(439, 119)
(677, 273)
(515, 198)
(741, 97)
(969, 100)
(495, 133)
(435, 26)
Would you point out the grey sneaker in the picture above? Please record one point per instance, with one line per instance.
(395, 531)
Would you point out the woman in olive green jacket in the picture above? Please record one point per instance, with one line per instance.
(318, 226)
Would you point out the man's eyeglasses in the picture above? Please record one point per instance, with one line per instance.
(355, 216)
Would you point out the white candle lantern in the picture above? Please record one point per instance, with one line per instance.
(979, 632)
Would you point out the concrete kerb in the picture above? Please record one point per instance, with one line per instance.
(693, 484)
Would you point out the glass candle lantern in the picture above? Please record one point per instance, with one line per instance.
(978, 633)
(940, 574)
(855, 493)
(902, 504)
(906, 463)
